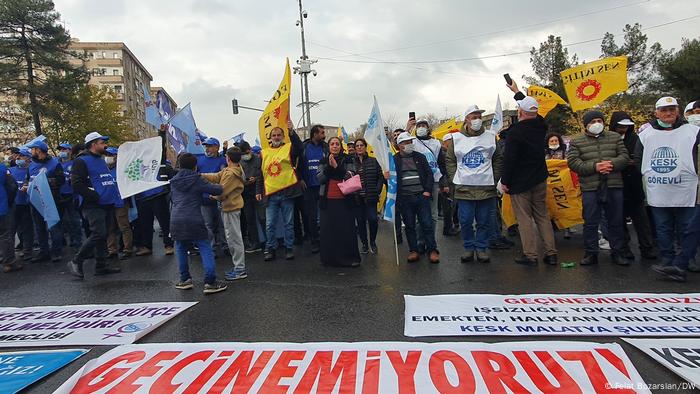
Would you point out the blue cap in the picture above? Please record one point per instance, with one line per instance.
(25, 152)
(112, 150)
(256, 149)
(39, 144)
(211, 141)
(65, 145)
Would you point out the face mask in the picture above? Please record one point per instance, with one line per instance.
(110, 160)
(596, 128)
(236, 157)
(63, 155)
(21, 163)
(694, 119)
(247, 156)
(7, 158)
(208, 154)
(422, 131)
(664, 124)
(554, 147)
(475, 124)
(408, 149)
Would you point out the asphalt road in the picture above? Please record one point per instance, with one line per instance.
(302, 301)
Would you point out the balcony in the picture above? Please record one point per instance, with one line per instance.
(107, 79)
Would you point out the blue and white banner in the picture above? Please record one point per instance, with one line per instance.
(41, 198)
(19, 370)
(186, 132)
(152, 116)
(376, 138)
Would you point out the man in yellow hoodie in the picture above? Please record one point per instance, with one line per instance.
(231, 179)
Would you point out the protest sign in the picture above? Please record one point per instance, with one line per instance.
(636, 314)
(138, 166)
(114, 324)
(20, 369)
(682, 356)
(379, 367)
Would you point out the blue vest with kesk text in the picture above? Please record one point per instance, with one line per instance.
(67, 188)
(313, 155)
(4, 204)
(101, 179)
(20, 175)
(35, 167)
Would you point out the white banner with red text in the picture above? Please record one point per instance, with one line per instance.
(681, 355)
(110, 324)
(631, 314)
(365, 367)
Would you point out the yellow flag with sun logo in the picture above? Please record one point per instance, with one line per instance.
(546, 99)
(591, 83)
(276, 112)
(277, 169)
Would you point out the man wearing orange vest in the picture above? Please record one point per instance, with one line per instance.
(279, 187)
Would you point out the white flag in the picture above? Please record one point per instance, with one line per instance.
(137, 166)
(497, 122)
(376, 137)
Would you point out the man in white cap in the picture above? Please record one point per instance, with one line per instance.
(415, 181)
(93, 182)
(525, 179)
(669, 153)
(692, 113)
(474, 166)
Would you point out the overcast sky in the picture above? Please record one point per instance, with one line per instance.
(209, 51)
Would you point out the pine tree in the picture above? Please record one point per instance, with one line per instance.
(34, 57)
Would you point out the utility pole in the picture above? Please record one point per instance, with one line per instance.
(304, 69)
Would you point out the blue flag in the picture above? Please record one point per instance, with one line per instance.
(152, 115)
(346, 138)
(21, 369)
(391, 189)
(165, 111)
(186, 128)
(42, 200)
(238, 138)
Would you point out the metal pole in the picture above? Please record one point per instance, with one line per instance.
(303, 106)
(304, 75)
(308, 100)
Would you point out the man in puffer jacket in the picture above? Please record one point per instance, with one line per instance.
(598, 157)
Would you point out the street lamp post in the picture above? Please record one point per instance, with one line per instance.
(304, 68)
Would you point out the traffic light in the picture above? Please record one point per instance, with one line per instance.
(234, 102)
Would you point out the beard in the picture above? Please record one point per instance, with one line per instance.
(276, 144)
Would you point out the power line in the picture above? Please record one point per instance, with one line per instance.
(488, 56)
(487, 33)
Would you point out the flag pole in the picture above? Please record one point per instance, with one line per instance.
(396, 243)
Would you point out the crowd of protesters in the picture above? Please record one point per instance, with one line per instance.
(218, 204)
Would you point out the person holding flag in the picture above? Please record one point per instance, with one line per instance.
(93, 183)
(8, 191)
(279, 188)
(42, 161)
(474, 166)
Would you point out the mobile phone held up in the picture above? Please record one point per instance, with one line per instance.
(411, 115)
(508, 79)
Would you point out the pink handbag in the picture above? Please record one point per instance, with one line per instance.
(350, 185)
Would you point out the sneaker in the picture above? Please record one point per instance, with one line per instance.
(144, 252)
(253, 249)
(75, 269)
(169, 251)
(482, 256)
(373, 248)
(184, 284)
(269, 255)
(670, 272)
(590, 259)
(289, 254)
(603, 244)
(211, 288)
(434, 257)
(125, 256)
(524, 260)
(467, 256)
(552, 259)
(499, 245)
(365, 249)
(413, 256)
(107, 271)
(235, 275)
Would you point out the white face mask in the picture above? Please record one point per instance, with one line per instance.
(596, 128)
(110, 160)
(475, 124)
(408, 149)
(694, 119)
(554, 147)
(422, 131)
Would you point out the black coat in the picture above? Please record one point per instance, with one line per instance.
(424, 172)
(344, 170)
(186, 221)
(524, 166)
(372, 177)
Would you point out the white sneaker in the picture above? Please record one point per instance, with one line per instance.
(603, 244)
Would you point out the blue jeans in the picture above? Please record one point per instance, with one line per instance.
(418, 207)
(592, 213)
(279, 207)
(215, 227)
(205, 253)
(689, 241)
(667, 221)
(482, 211)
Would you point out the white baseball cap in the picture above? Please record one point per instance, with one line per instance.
(626, 122)
(666, 102)
(447, 137)
(471, 109)
(95, 136)
(528, 104)
(689, 107)
(422, 120)
(405, 136)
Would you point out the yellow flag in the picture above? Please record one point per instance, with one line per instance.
(450, 126)
(590, 84)
(546, 98)
(277, 169)
(276, 112)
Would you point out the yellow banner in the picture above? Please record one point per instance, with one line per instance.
(546, 98)
(449, 126)
(590, 84)
(564, 203)
(277, 169)
(276, 112)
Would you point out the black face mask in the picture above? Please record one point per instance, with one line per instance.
(235, 157)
